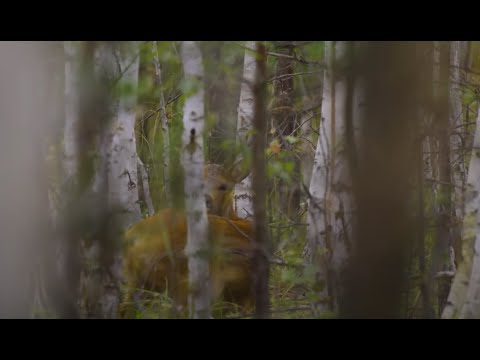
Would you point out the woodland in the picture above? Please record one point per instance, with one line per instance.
(240, 179)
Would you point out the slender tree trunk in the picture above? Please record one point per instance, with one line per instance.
(425, 95)
(343, 144)
(193, 162)
(165, 161)
(243, 190)
(122, 168)
(76, 66)
(441, 251)
(463, 299)
(76, 222)
(261, 261)
(331, 179)
(318, 225)
(459, 172)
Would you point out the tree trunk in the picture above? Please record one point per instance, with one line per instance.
(331, 179)
(107, 139)
(375, 276)
(423, 162)
(318, 243)
(243, 190)
(457, 158)
(463, 299)
(23, 195)
(441, 251)
(259, 183)
(193, 162)
(165, 161)
(122, 168)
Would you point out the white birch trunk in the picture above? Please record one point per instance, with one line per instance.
(456, 120)
(317, 221)
(71, 106)
(116, 168)
(463, 300)
(122, 169)
(193, 162)
(330, 220)
(117, 164)
(243, 190)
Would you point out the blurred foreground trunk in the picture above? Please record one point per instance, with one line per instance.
(23, 191)
(381, 170)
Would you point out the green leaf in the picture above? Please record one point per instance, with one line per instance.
(292, 139)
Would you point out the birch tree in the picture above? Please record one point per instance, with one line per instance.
(119, 160)
(107, 193)
(464, 297)
(330, 210)
(193, 162)
(122, 169)
(440, 256)
(243, 192)
(318, 228)
(459, 173)
(339, 200)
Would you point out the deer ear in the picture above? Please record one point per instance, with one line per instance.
(240, 169)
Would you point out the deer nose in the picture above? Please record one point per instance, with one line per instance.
(209, 202)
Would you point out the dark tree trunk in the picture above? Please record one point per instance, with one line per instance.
(375, 277)
(259, 186)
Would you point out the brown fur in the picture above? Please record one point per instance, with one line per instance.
(155, 259)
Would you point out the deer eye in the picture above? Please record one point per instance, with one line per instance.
(222, 187)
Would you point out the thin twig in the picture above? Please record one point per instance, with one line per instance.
(294, 74)
(160, 108)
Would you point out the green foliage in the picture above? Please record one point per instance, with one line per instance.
(154, 305)
(314, 51)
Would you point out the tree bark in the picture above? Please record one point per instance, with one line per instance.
(463, 299)
(316, 251)
(243, 190)
(165, 161)
(262, 254)
(375, 276)
(441, 251)
(193, 162)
